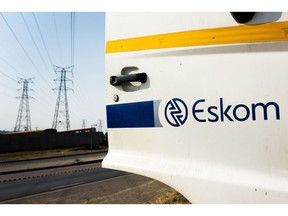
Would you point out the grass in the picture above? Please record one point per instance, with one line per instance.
(171, 197)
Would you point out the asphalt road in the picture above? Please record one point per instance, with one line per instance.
(45, 183)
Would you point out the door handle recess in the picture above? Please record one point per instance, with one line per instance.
(118, 80)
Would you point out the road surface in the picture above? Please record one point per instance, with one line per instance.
(43, 183)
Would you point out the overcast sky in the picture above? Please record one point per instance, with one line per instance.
(28, 50)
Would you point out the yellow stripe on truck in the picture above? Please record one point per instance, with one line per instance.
(268, 32)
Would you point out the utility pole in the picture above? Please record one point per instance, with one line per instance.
(61, 115)
(23, 120)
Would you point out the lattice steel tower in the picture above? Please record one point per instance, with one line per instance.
(61, 115)
(100, 125)
(23, 121)
(83, 123)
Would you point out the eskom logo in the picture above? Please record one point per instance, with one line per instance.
(176, 112)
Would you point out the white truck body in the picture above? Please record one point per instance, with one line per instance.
(211, 120)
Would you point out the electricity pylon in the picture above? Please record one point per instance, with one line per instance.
(100, 126)
(83, 123)
(23, 120)
(61, 115)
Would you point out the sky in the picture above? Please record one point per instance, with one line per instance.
(31, 45)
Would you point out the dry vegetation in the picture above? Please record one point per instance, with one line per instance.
(171, 197)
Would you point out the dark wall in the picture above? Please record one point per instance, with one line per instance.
(41, 141)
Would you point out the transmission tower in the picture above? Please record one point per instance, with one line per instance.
(100, 126)
(83, 123)
(61, 115)
(23, 121)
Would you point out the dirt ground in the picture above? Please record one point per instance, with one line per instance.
(170, 197)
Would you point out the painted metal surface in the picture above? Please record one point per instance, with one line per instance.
(222, 109)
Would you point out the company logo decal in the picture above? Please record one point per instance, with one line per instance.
(176, 112)
(146, 114)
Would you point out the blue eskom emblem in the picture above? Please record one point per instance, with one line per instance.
(176, 112)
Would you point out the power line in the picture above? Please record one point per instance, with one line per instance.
(76, 109)
(44, 112)
(72, 19)
(38, 50)
(11, 66)
(16, 38)
(7, 87)
(42, 38)
(44, 101)
(24, 52)
(27, 55)
(6, 95)
(47, 99)
(58, 40)
(80, 100)
(7, 76)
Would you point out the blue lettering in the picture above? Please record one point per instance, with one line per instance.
(238, 112)
(265, 108)
(194, 110)
(213, 114)
(235, 112)
(225, 113)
